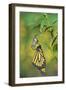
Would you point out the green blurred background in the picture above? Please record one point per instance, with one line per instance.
(30, 25)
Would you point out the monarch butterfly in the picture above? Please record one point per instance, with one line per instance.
(38, 60)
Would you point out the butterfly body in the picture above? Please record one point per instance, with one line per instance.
(39, 60)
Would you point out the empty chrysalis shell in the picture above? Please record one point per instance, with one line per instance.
(34, 42)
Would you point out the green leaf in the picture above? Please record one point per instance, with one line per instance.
(54, 39)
